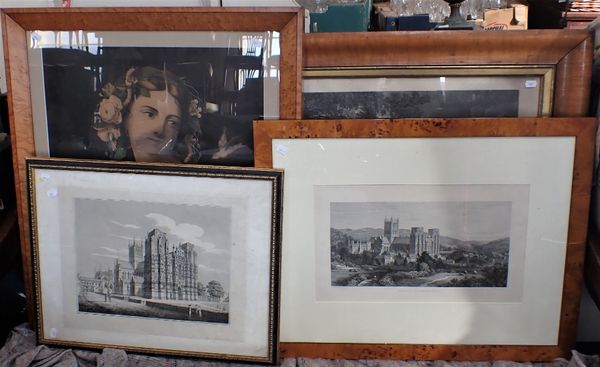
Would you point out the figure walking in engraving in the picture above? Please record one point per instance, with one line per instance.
(104, 289)
(109, 290)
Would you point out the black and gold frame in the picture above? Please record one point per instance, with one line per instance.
(167, 259)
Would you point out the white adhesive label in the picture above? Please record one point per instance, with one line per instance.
(36, 36)
(53, 333)
(52, 193)
(530, 83)
(282, 149)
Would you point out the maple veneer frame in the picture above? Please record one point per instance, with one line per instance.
(583, 129)
(17, 22)
(568, 52)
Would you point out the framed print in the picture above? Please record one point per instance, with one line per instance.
(535, 73)
(147, 84)
(186, 264)
(222, 80)
(427, 92)
(431, 238)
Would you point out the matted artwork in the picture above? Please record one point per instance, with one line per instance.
(187, 264)
(431, 238)
(395, 242)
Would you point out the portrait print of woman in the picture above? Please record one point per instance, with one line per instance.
(150, 117)
(185, 105)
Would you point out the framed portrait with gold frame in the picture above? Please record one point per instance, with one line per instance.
(83, 96)
(187, 264)
(431, 238)
(419, 74)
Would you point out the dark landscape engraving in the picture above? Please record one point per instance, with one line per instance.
(399, 253)
(157, 275)
(452, 103)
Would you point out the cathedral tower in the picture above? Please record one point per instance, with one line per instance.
(136, 253)
(155, 264)
(391, 228)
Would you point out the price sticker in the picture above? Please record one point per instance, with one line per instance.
(530, 83)
(282, 149)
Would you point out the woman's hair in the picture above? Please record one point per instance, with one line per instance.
(149, 79)
(117, 98)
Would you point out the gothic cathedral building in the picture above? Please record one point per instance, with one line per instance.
(419, 241)
(169, 272)
(158, 270)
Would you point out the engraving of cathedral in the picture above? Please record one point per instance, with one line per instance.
(391, 243)
(158, 269)
(418, 244)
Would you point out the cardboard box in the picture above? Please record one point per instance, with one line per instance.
(386, 17)
(511, 18)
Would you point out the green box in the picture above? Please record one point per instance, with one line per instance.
(347, 17)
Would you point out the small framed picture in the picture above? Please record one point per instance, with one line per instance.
(186, 264)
